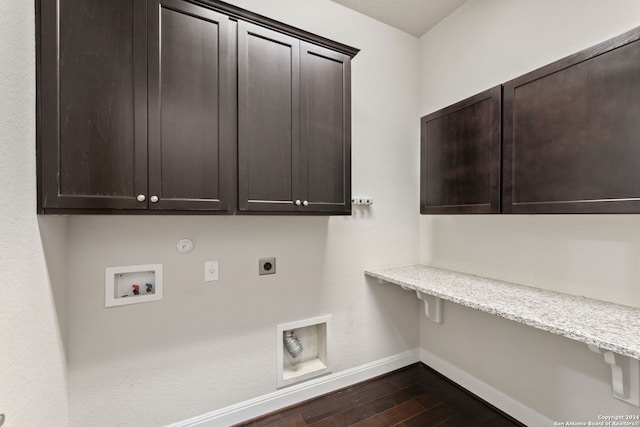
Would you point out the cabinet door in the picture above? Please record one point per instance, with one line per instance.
(268, 120)
(191, 146)
(92, 137)
(571, 133)
(325, 99)
(460, 157)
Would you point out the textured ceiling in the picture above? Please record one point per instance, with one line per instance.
(412, 16)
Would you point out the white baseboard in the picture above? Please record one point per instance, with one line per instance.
(300, 392)
(316, 387)
(507, 404)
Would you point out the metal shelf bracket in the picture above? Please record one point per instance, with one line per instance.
(625, 375)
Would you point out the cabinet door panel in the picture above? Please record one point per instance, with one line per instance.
(92, 78)
(460, 157)
(269, 122)
(571, 134)
(326, 133)
(190, 140)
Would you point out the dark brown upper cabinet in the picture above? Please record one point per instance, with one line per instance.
(136, 107)
(92, 105)
(460, 156)
(571, 133)
(294, 135)
(191, 108)
(325, 106)
(269, 165)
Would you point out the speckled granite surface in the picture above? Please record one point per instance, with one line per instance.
(608, 326)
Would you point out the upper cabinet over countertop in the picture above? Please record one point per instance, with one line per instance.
(569, 140)
(572, 133)
(141, 104)
(460, 157)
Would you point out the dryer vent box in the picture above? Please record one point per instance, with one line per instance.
(315, 357)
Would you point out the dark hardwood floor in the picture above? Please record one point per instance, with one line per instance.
(412, 396)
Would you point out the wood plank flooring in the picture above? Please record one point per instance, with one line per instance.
(412, 396)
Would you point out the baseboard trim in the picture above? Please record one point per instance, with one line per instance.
(300, 392)
(505, 403)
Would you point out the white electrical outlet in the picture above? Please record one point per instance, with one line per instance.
(211, 271)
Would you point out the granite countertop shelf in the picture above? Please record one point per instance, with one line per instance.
(608, 326)
(609, 329)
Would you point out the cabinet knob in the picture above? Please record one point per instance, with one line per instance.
(154, 199)
(298, 202)
(141, 197)
(305, 203)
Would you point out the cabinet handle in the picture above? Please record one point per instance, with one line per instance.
(154, 199)
(298, 202)
(141, 198)
(305, 203)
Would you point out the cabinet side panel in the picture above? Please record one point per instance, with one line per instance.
(189, 106)
(324, 130)
(97, 120)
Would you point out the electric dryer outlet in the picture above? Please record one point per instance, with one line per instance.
(267, 266)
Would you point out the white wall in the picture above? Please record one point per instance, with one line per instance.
(206, 346)
(53, 234)
(32, 366)
(485, 43)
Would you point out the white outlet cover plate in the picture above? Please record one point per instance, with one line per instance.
(211, 272)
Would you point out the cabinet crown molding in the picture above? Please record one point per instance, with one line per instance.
(236, 12)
